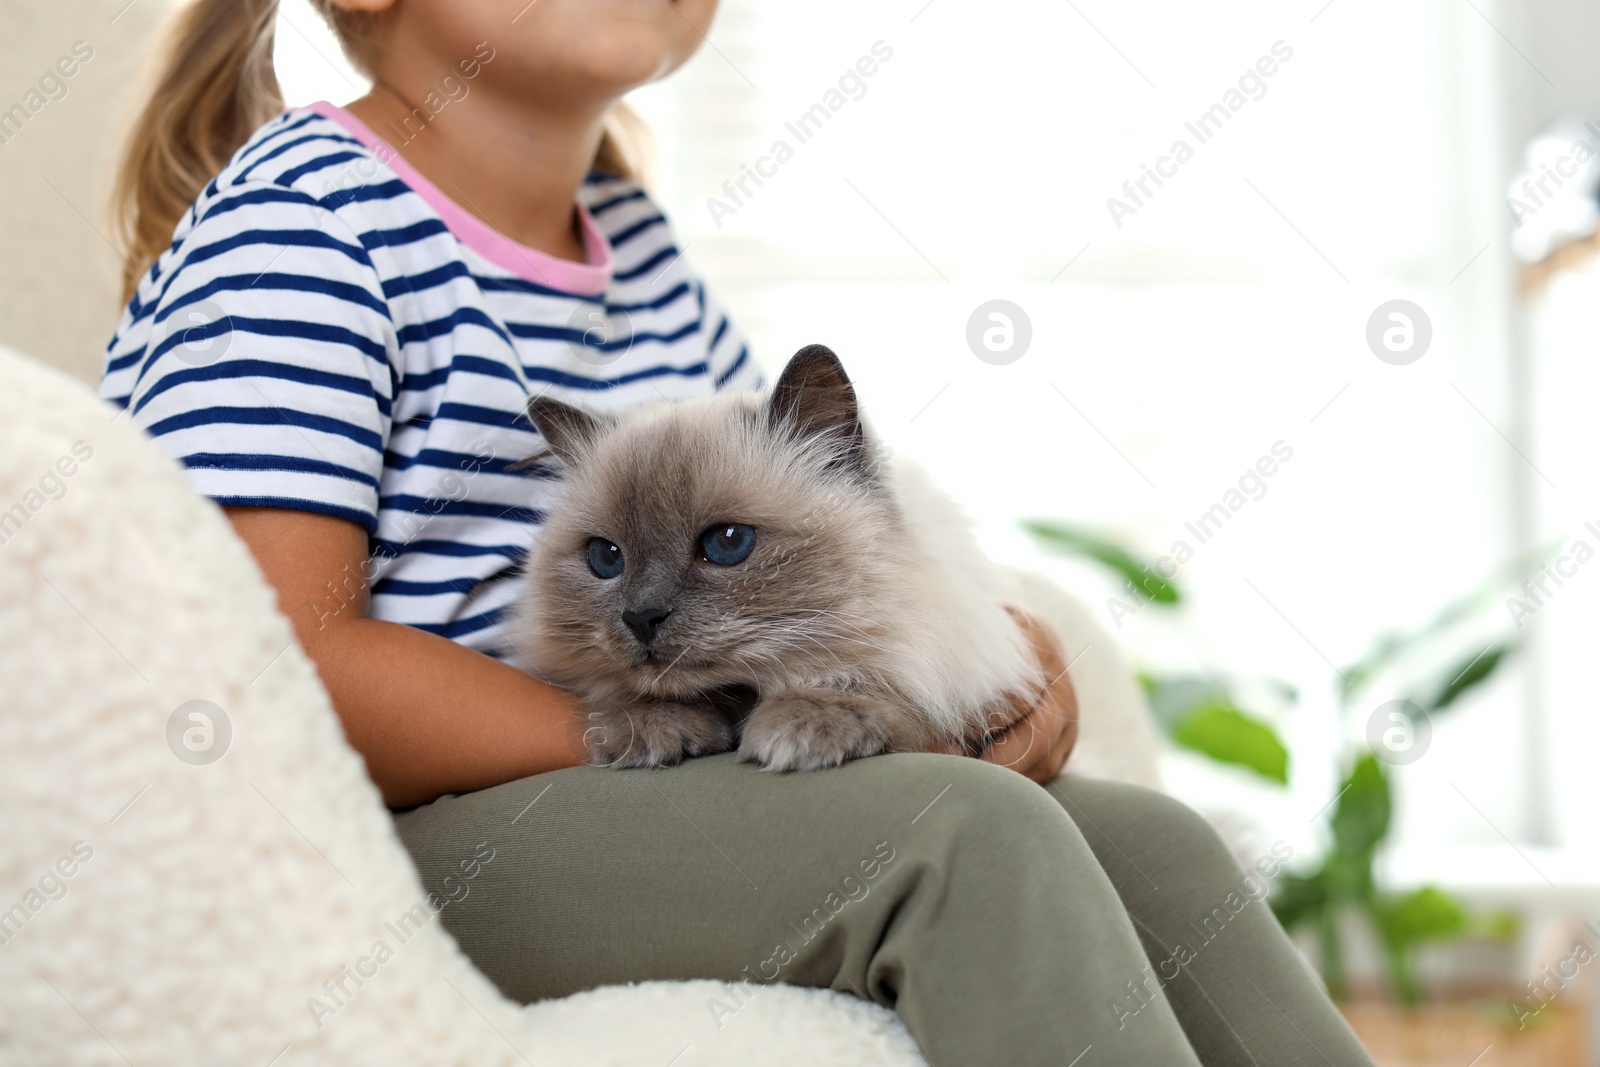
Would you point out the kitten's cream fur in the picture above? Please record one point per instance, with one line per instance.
(866, 619)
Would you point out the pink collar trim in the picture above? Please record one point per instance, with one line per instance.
(581, 279)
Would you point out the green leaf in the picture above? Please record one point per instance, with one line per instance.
(1392, 647)
(1347, 877)
(1285, 692)
(1360, 821)
(1228, 735)
(1074, 541)
(1297, 899)
(1426, 914)
(1356, 676)
(1173, 697)
(1464, 677)
(1503, 924)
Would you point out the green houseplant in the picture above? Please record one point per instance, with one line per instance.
(1343, 881)
(1202, 714)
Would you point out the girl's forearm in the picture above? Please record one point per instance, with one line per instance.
(430, 716)
(433, 717)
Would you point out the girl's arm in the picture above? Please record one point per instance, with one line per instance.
(429, 716)
(1041, 735)
(1037, 742)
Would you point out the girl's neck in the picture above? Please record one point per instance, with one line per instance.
(517, 171)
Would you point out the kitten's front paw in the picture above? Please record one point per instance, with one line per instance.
(806, 729)
(654, 734)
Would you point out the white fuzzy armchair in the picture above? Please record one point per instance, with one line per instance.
(188, 909)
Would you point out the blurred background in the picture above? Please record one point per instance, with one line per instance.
(1371, 522)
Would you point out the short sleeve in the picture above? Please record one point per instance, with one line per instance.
(261, 355)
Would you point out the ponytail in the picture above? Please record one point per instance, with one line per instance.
(214, 85)
(626, 149)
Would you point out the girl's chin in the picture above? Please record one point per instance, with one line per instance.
(628, 52)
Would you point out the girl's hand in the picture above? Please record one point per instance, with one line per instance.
(1036, 740)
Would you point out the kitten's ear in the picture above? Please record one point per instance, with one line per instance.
(814, 398)
(565, 429)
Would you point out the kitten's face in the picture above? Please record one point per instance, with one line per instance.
(709, 544)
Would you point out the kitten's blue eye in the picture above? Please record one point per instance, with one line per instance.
(605, 558)
(727, 544)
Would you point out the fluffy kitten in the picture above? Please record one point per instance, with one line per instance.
(739, 550)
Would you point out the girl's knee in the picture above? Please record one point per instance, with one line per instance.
(1147, 828)
(967, 808)
(979, 788)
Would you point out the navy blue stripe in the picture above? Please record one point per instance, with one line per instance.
(360, 194)
(267, 416)
(523, 285)
(265, 368)
(122, 362)
(274, 239)
(336, 138)
(644, 268)
(434, 506)
(627, 234)
(135, 307)
(399, 587)
(716, 338)
(607, 205)
(459, 628)
(467, 316)
(416, 283)
(572, 381)
(733, 368)
(490, 368)
(242, 461)
(540, 332)
(459, 549)
(294, 328)
(465, 462)
(413, 283)
(273, 194)
(672, 295)
(404, 235)
(294, 174)
(494, 368)
(534, 373)
(362, 519)
(481, 416)
(277, 281)
(267, 134)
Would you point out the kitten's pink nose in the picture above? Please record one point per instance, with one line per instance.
(645, 621)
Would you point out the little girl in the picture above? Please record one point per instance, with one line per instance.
(336, 318)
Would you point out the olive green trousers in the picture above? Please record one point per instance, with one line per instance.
(1004, 922)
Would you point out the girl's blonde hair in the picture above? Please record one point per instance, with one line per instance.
(213, 85)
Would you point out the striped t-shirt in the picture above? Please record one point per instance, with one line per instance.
(330, 332)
